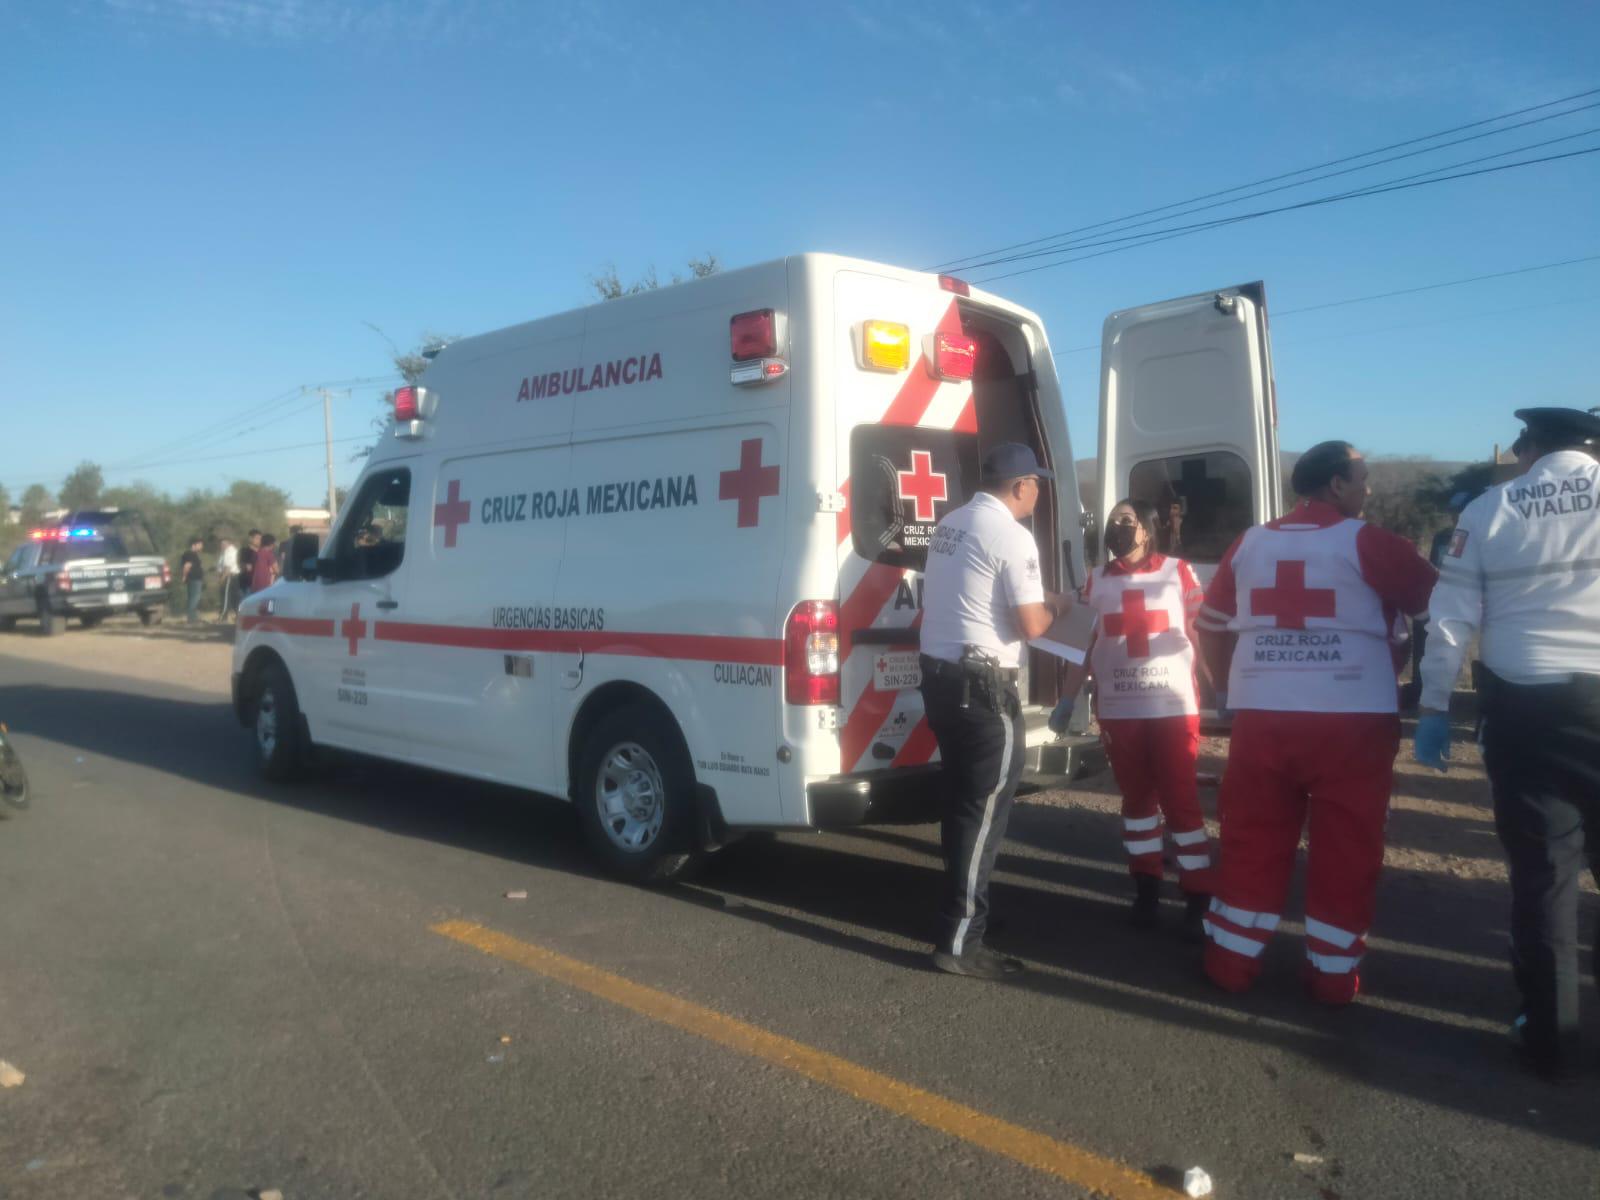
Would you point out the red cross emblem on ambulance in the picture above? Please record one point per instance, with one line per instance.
(1289, 602)
(353, 629)
(922, 485)
(451, 513)
(749, 484)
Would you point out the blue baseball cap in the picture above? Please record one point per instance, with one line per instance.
(1011, 460)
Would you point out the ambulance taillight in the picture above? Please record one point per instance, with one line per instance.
(811, 653)
(951, 356)
(413, 409)
(755, 340)
(951, 284)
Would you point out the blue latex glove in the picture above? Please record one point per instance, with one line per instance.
(1432, 743)
(1060, 715)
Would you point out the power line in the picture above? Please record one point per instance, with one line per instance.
(1426, 287)
(1366, 189)
(174, 462)
(1127, 224)
(1182, 230)
(220, 432)
(956, 262)
(1429, 287)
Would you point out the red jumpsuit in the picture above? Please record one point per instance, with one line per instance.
(1143, 660)
(1314, 599)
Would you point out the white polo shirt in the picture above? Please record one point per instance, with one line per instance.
(982, 564)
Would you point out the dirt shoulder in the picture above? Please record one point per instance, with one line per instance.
(192, 656)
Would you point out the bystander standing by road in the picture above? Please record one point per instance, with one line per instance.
(265, 572)
(194, 580)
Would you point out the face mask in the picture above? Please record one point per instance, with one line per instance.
(1119, 539)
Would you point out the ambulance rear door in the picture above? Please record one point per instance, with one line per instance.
(1188, 419)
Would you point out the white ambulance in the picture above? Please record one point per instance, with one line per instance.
(662, 555)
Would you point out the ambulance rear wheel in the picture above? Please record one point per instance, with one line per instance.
(635, 796)
(279, 740)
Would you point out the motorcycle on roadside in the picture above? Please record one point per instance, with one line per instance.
(13, 779)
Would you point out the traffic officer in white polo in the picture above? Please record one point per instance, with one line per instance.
(1523, 568)
(982, 598)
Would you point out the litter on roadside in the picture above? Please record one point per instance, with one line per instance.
(1196, 1183)
(269, 1194)
(1307, 1160)
(9, 1076)
(519, 894)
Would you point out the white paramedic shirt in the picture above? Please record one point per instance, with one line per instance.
(1523, 567)
(982, 564)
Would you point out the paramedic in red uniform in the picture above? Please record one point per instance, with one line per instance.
(1309, 603)
(982, 598)
(1149, 711)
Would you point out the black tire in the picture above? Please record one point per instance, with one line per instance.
(51, 624)
(91, 620)
(150, 616)
(7, 624)
(278, 733)
(641, 742)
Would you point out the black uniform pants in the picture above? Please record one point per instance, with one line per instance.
(1541, 745)
(981, 745)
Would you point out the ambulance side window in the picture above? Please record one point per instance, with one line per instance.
(1202, 502)
(372, 537)
(903, 478)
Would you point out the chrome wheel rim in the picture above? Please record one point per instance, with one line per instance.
(630, 797)
(267, 723)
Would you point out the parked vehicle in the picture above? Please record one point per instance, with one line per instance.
(87, 565)
(662, 555)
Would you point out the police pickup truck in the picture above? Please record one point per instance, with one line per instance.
(87, 565)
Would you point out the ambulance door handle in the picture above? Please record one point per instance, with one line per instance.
(388, 604)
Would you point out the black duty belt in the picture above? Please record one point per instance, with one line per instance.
(939, 668)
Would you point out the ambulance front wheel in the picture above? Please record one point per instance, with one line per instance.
(635, 795)
(279, 732)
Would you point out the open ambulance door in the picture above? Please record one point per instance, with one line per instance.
(1188, 421)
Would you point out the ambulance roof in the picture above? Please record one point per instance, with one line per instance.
(471, 377)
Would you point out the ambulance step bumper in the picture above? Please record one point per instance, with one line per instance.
(896, 796)
(1058, 762)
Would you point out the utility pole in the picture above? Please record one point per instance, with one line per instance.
(327, 436)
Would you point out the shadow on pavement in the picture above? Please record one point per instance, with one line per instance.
(887, 881)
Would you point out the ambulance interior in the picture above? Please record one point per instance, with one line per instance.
(1005, 398)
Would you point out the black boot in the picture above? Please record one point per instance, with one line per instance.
(1146, 912)
(1196, 905)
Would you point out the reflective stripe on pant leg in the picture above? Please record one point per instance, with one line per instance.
(959, 940)
(1349, 803)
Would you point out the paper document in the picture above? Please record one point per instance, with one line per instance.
(1070, 636)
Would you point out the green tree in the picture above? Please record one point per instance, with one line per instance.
(82, 487)
(608, 285)
(36, 501)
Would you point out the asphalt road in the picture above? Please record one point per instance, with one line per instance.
(215, 985)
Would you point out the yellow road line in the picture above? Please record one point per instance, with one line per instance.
(1090, 1171)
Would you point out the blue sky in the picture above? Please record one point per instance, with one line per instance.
(204, 203)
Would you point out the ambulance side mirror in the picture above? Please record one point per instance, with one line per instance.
(302, 557)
